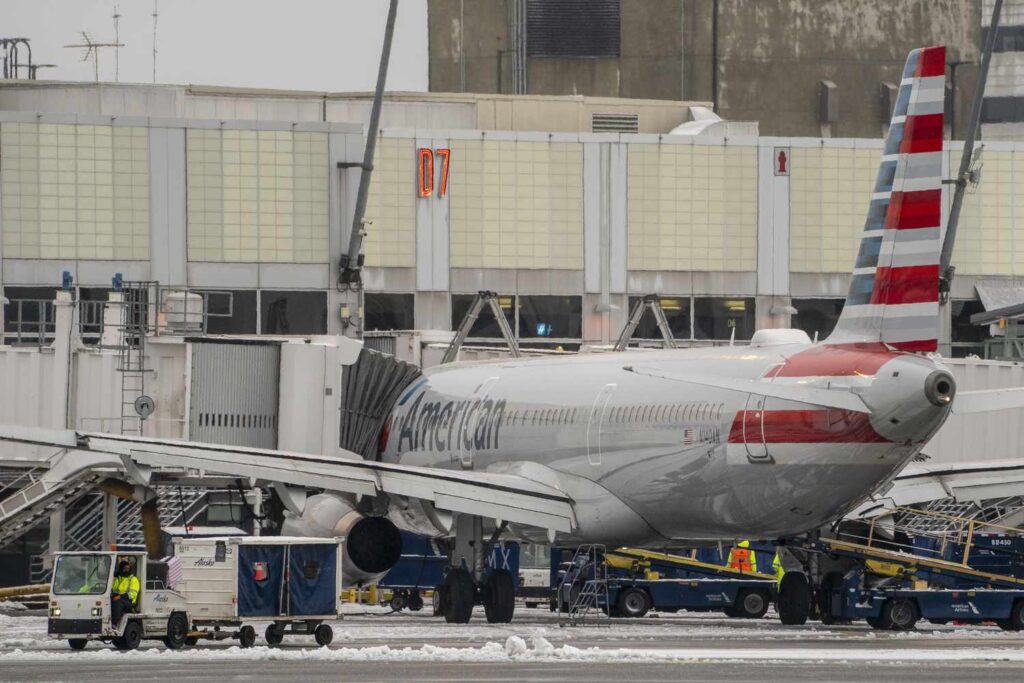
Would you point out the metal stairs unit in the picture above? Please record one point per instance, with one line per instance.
(33, 504)
(173, 511)
(583, 590)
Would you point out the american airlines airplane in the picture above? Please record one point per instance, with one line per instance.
(642, 448)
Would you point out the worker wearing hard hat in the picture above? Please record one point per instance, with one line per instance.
(741, 557)
(124, 593)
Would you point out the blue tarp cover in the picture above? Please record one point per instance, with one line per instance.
(312, 578)
(260, 598)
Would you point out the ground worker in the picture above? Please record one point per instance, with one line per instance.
(742, 557)
(777, 567)
(124, 594)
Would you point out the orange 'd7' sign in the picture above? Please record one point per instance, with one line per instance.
(425, 168)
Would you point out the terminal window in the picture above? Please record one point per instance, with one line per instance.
(677, 313)
(717, 318)
(389, 311)
(485, 326)
(230, 311)
(293, 312)
(555, 317)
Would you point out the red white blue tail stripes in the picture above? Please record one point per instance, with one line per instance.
(894, 293)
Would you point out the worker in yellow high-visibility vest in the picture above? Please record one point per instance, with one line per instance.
(124, 592)
(741, 557)
(777, 567)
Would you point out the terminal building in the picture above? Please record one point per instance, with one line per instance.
(246, 197)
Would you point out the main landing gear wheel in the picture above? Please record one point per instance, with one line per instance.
(132, 636)
(177, 627)
(794, 600)
(458, 596)
(632, 603)
(274, 634)
(78, 643)
(500, 597)
(323, 635)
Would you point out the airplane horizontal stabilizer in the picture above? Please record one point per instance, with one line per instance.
(829, 398)
(987, 401)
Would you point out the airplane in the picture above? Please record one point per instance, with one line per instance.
(642, 448)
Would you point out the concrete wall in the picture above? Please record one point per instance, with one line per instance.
(770, 55)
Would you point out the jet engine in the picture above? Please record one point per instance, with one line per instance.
(372, 544)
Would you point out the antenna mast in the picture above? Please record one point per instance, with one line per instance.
(156, 15)
(117, 39)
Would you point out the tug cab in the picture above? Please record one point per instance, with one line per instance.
(80, 602)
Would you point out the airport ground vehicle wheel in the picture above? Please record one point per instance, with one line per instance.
(246, 636)
(1015, 622)
(415, 601)
(900, 614)
(274, 634)
(794, 600)
(131, 637)
(499, 597)
(191, 640)
(458, 596)
(323, 634)
(876, 623)
(751, 603)
(177, 627)
(78, 643)
(398, 601)
(633, 602)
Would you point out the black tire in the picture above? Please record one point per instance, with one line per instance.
(751, 603)
(274, 634)
(398, 602)
(323, 635)
(1015, 622)
(900, 614)
(437, 601)
(500, 597)
(415, 601)
(730, 612)
(191, 640)
(793, 602)
(132, 636)
(633, 602)
(877, 623)
(939, 622)
(246, 637)
(458, 596)
(78, 643)
(177, 628)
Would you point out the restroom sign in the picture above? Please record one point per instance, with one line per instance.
(426, 161)
(782, 160)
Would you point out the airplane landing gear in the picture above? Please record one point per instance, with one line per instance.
(499, 597)
(457, 596)
(465, 584)
(794, 599)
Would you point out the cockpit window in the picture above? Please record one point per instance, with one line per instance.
(83, 574)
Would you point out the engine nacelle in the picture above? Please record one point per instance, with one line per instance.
(372, 544)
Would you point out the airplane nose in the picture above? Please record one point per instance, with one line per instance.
(940, 388)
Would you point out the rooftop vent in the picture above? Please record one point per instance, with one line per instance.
(615, 123)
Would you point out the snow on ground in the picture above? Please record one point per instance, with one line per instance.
(372, 634)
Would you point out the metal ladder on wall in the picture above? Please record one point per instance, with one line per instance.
(482, 298)
(131, 362)
(583, 589)
(652, 302)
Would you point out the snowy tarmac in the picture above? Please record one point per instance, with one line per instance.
(371, 644)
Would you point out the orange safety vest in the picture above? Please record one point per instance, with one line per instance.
(742, 559)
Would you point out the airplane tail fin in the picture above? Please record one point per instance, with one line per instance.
(894, 292)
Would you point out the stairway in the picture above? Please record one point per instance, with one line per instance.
(583, 589)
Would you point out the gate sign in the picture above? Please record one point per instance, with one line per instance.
(781, 156)
(425, 170)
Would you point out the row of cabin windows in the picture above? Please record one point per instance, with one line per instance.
(693, 411)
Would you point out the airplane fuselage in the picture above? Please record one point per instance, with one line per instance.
(650, 456)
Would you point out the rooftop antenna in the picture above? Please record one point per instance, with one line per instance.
(92, 49)
(156, 15)
(969, 172)
(117, 39)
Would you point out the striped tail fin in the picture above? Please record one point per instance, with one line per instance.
(894, 293)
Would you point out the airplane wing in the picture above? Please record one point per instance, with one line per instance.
(923, 483)
(506, 497)
(831, 398)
